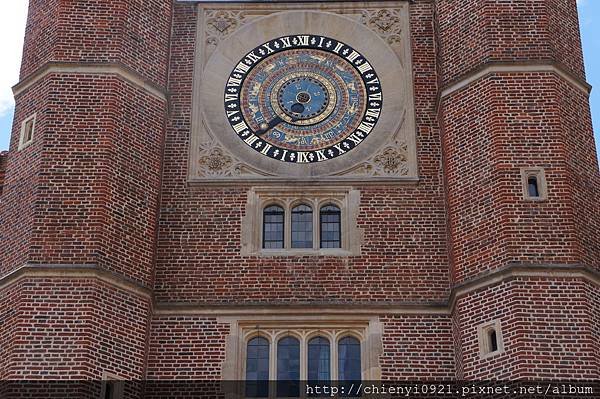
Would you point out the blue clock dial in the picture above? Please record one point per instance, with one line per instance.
(303, 99)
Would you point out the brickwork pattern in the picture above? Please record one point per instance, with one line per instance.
(477, 32)
(583, 173)
(417, 348)
(104, 183)
(3, 161)
(405, 234)
(98, 144)
(545, 326)
(21, 181)
(513, 121)
(130, 32)
(73, 327)
(186, 347)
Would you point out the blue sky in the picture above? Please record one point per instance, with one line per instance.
(12, 25)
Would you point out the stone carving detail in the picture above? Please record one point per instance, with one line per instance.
(391, 161)
(386, 22)
(213, 161)
(221, 23)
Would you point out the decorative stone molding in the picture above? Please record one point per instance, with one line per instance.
(215, 162)
(386, 22)
(220, 24)
(226, 31)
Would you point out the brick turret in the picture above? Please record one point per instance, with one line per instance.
(514, 101)
(80, 201)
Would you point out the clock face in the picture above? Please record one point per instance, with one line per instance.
(303, 98)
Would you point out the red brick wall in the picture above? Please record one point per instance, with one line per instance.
(74, 327)
(545, 325)
(477, 32)
(405, 226)
(493, 128)
(593, 298)
(86, 191)
(417, 348)
(584, 176)
(21, 181)
(9, 299)
(131, 32)
(186, 348)
(504, 122)
(3, 160)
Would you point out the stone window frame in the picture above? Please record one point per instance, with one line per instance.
(23, 141)
(368, 330)
(345, 198)
(117, 382)
(540, 175)
(483, 331)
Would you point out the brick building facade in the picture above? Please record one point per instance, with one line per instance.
(470, 239)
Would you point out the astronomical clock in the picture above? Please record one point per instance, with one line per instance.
(303, 95)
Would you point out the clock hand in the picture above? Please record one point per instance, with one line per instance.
(265, 127)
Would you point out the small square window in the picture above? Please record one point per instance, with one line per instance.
(533, 181)
(490, 339)
(27, 131)
(112, 387)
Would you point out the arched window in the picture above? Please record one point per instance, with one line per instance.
(257, 368)
(288, 367)
(330, 224)
(302, 228)
(319, 359)
(349, 368)
(273, 227)
(533, 187)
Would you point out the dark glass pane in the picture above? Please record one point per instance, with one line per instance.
(331, 218)
(109, 390)
(257, 368)
(302, 229)
(319, 361)
(533, 187)
(288, 367)
(349, 359)
(273, 223)
(493, 341)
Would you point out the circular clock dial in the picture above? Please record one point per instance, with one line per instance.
(303, 98)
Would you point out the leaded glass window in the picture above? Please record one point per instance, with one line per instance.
(257, 368)
(349, 366)
(319, 361)
(330, 223)
(273, 227)
(288, 367)
(302, 227)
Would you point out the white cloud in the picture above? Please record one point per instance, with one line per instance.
(13, 16)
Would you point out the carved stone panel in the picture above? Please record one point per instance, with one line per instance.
(227, 32)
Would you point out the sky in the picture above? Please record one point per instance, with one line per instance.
(13, 15)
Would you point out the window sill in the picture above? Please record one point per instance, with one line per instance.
(339, 252)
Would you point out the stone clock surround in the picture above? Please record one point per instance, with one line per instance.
(227, 32)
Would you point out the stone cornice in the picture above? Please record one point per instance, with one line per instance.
(115, 69)
(82, 271)
(479, 282)
(514, 67)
